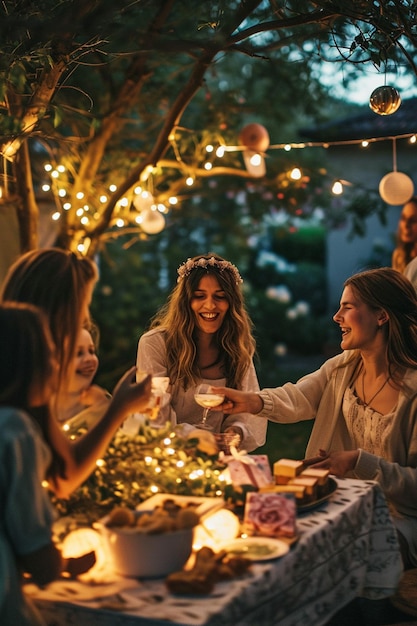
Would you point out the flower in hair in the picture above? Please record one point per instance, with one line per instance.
(187, 267)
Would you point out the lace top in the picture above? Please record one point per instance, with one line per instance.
(368, 429)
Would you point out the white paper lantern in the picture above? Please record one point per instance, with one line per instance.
(255, 163)
(152, 221)
(396, 188)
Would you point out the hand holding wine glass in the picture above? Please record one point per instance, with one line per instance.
(207, 397)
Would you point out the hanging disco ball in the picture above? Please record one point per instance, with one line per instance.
(396, 188)
(384, 100)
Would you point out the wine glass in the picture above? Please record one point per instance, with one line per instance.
(206, 396)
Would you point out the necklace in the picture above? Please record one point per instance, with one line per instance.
(375, 394)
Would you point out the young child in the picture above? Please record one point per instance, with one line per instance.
(80, 394)
(28, 375)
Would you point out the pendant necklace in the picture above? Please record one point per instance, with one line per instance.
(375, 394)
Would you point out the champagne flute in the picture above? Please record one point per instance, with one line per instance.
(206, 396)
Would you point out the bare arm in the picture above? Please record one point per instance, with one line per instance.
(81, 455)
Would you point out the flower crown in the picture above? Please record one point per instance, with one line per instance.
(187, 267)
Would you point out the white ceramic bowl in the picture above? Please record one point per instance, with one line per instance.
(142, 555)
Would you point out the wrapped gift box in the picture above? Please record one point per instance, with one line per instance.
(250, 469)
(270, 514)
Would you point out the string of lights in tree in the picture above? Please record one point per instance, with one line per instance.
(145, 209)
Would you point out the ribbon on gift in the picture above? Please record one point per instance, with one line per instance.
(238, 455)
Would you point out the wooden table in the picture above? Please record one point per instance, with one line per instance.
(347, 548)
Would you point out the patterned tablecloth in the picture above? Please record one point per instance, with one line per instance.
(347, 547)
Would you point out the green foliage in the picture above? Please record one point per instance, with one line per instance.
(136, 467)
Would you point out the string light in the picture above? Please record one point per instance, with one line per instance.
(337, 188)
(254, 161)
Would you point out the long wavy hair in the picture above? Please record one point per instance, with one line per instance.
(388, 289)
(57, 281)
(404, 251)
(235, 340)
(27, 364)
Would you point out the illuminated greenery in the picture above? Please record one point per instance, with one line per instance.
(136, 467)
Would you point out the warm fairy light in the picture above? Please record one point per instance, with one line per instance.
(180, 464)
(113, 188)
(173, 200)
(189, 181)
(137, 190)
(62, 193)
(100, 462)
(80, 195)
(66, 206)
(337, 188)
(48, 167)
(124, 202)
(103, 199)
(84, 220)
(56, 216)
(80, 212)
(55, 174)
(256, 159)
(162, 208)
(148, 460)
(139, 219)
(220, 151)
(167, 441)
(158, 469)
(364, 144)
(61, 169)
(209, 148)
(413, 139)
(296, 173)
(154, 489)
(81, 248)
(146, 172)
(120, 222)
(287, 147)
(46, 187)
(45, 484)
(208, 166)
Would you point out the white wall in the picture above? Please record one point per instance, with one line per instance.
(364, 168)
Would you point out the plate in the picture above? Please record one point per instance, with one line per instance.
(303, 508)
(204, 505)
(257, 548)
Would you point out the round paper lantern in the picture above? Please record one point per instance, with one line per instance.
(254, 137)
(396, 188)
(152, 221)
(384, 100)
(216, 529)
(82, 541)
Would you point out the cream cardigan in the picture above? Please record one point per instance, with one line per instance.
(319, 396)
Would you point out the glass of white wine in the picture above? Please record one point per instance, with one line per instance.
(206, 396)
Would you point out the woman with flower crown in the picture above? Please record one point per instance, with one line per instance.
(203, 333)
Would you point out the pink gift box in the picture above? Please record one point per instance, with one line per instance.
(270, 514)
(256, 471)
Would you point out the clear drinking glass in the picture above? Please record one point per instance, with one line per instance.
(206, 396)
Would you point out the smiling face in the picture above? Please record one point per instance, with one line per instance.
(209, 304)
(85, 362)
(358, 322)
(407, 226)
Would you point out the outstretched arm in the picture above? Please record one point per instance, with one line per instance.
(81, 455)
(240, 401)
